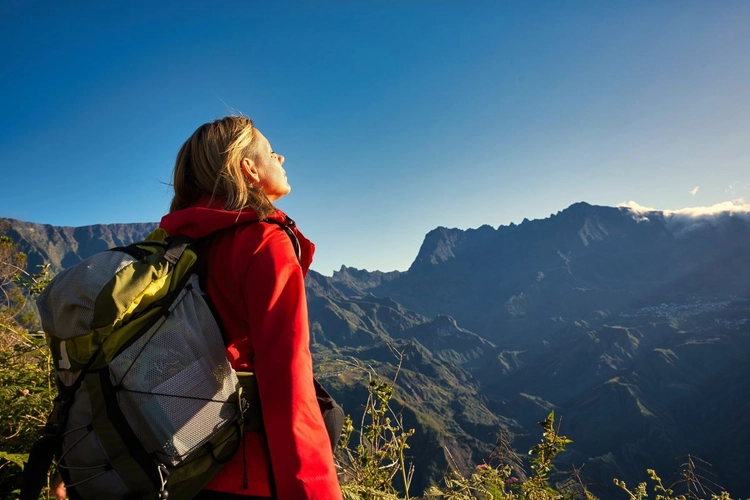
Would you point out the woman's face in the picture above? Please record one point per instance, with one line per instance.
(265, 169)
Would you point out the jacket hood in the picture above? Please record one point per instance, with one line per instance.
(206, 217)
(199, 221)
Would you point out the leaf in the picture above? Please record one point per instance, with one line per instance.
(19, 459)
(549, 421)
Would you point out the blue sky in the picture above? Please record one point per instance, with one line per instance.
(395, 117)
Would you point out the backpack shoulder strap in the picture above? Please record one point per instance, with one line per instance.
(35, 471)
(287, 227)
(177, 246)
(178, 243)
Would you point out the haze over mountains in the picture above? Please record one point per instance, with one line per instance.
(632, 324)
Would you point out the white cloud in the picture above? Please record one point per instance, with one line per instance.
(737, 206)
(636, 208)
(726, 207)
(694, 191)
(639, 212)
(685, 220)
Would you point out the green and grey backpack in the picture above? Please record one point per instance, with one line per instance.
(148, 403)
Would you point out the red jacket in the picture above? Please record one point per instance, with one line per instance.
(257, 286)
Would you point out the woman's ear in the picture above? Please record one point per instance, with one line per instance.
(250, 170)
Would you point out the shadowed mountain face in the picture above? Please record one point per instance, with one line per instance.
(62, 247)
(635, 328)
(582, 260)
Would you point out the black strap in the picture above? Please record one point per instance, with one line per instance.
(35, 472)
(287, 227)
(177, 246)
(333, 414)
(43, 450)
(129, 439)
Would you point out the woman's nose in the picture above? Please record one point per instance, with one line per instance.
(281, 159)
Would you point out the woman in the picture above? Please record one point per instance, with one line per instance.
(226, 177)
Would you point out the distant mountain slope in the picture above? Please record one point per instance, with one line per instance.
(62, 247)
(582, 260)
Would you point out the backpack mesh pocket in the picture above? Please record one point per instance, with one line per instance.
(175, 385)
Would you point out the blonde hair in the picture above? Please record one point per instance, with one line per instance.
(209, 164)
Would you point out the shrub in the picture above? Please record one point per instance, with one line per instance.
(26, 386)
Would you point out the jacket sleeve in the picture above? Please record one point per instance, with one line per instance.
(274, 290)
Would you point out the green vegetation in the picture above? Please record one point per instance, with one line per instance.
(376, 467)
(26, 386)
(373, 457)
(694, 489)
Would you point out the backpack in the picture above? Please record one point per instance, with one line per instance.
(147, 398)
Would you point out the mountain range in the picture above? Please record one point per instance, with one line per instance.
(633, 326)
